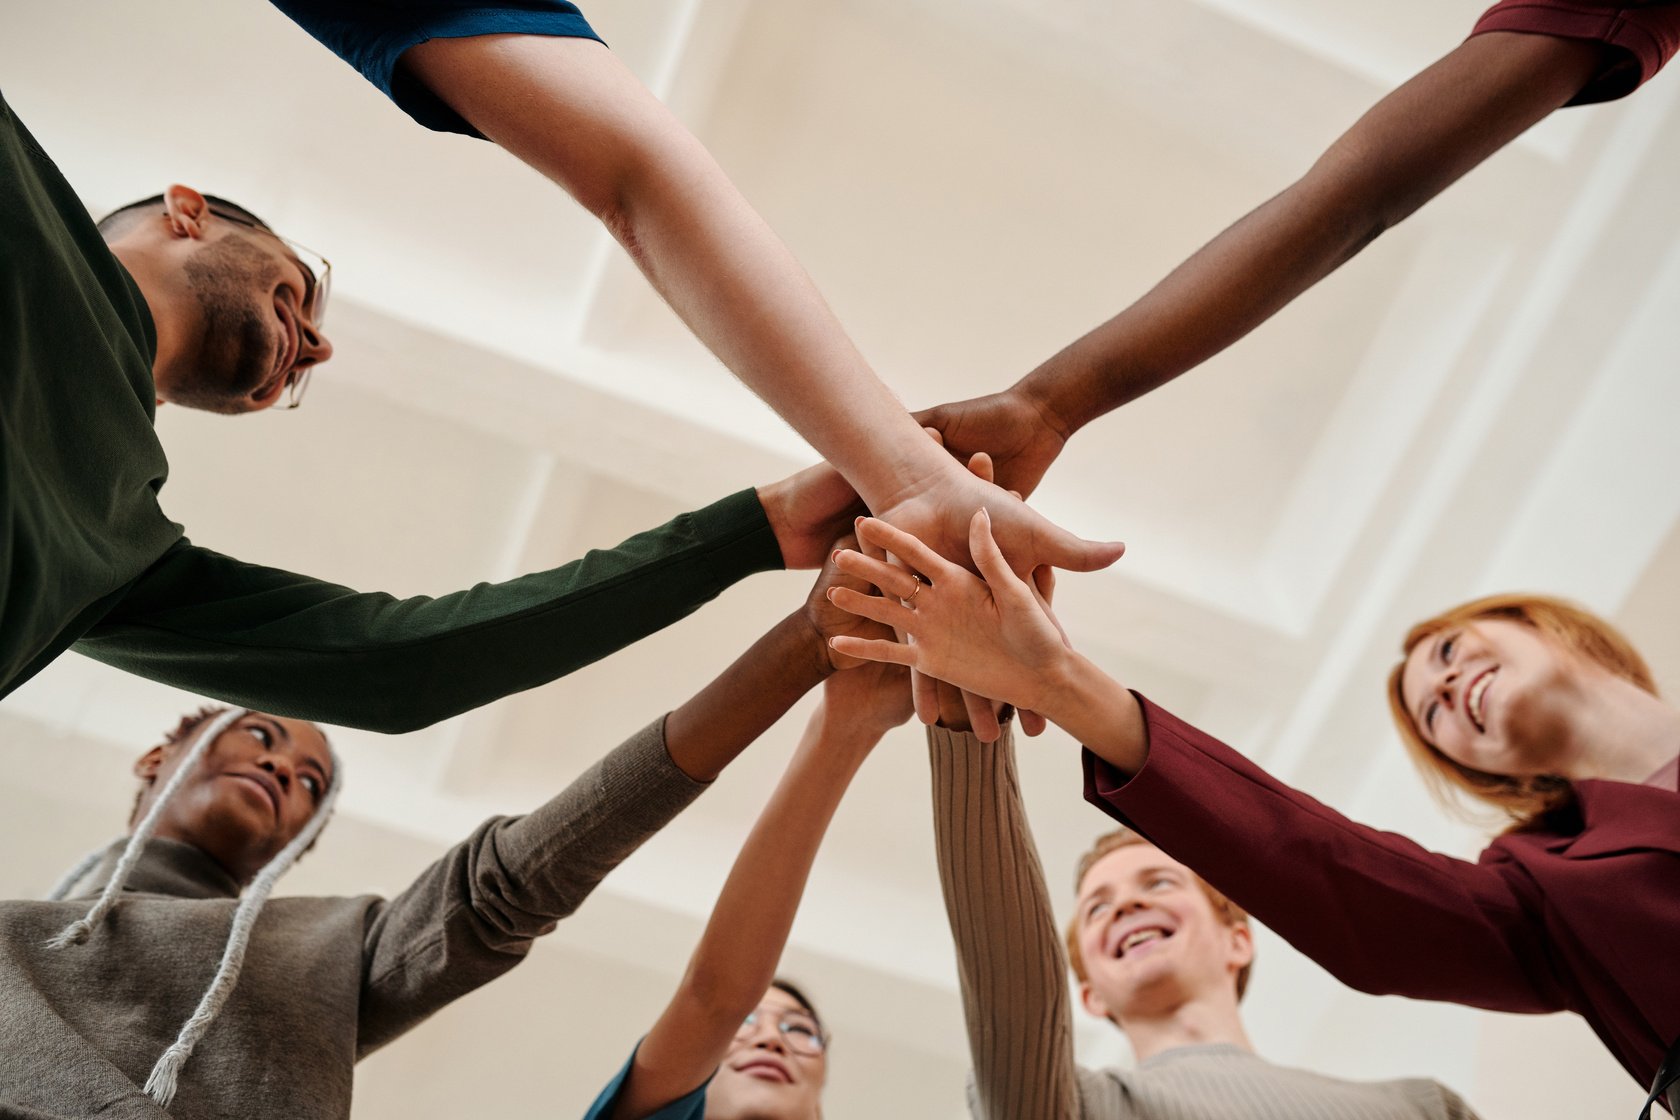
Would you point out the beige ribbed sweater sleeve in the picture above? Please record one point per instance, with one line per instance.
(1009, 954)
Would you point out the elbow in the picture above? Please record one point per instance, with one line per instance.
(395, 709)
(1359, 196)
(615, 192)
(716, 996)
(387, 718)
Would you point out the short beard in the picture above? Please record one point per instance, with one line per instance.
(236, 349)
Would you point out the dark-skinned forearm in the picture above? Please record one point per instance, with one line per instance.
(1411, 146)
(705, 734)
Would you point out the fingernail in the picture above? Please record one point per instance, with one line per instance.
(857, 521)
(985, 513)
(835, 556)
(829, 594)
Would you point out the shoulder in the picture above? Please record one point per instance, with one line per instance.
(691, 1106)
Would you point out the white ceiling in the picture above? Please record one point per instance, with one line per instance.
(1479, 402)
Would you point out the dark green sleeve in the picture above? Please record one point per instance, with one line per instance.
(284, 643)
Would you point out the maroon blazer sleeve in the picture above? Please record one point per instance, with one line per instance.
(1379, 912)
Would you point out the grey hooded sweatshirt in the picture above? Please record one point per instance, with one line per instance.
(325, 980)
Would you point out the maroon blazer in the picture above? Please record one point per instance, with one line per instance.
(1580, 915)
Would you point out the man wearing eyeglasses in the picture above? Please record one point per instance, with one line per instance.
(250, 333)
(193, 300)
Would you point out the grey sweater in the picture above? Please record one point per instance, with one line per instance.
(325, 980)
(1013, 973)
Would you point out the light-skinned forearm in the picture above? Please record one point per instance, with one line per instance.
(573, 111)
(1407, 149)
(1097, 710)
(737, 955)
(705, 734)
(742, 944)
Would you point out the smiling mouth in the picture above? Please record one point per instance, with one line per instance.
(1475, 699)
(766, 1071)
(1148, 935)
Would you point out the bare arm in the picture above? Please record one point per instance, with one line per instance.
(738, 953)
(571, 110)
(1407, 149)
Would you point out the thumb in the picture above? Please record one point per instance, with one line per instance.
(1075, 554)
(994, 569)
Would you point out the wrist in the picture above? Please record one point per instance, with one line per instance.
(1064, 688)
(1100, 712)
(852, 731)
(907, 473)
(1039, 395)
(773, 497)
(806, 647)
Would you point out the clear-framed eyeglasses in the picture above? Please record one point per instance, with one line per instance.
(798, 1030)
(317, 272)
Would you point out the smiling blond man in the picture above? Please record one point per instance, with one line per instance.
(1156, 951)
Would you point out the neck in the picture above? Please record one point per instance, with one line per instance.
(1196, 1021)
(1624, 734)
(154, 281)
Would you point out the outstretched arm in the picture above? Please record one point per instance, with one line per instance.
(1010, 961)
(737, 956)
(289, 644)
(1430, 926)
(474, 913)
(1406, 150)
(573, 111)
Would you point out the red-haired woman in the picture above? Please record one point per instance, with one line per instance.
(1528, 703)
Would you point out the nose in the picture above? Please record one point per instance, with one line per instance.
(313, 347)
(1446, 683)
(767, 1035)
(280, 768)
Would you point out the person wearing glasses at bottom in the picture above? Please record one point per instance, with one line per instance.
(735, 1042)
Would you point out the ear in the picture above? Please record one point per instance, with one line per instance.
(187, 212)
(1092, 1002)
(146, 767)
(1242, 947)
(148, 764)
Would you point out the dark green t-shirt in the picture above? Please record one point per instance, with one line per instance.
(87, 556)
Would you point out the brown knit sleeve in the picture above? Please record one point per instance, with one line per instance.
(473, 915)
(1009, 955)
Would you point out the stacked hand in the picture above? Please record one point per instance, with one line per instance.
(871, 692)
(994, 636)
(937, 512)
(809, 509)
(937, 515)
(1022, 436)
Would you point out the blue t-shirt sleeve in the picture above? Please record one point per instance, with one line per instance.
(690, 1107)
(372, 34)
